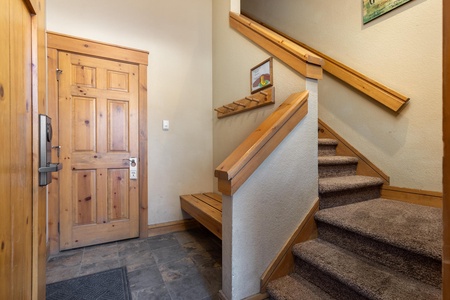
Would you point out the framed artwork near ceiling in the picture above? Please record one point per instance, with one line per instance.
(261, 76)
(372, 9)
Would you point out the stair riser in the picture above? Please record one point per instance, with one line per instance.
(333, 199)
(327, 150)
(326, 282)
(420, 267)
(337, 170)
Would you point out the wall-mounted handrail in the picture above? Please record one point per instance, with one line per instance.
(250, 154)
(375, 90)
(303, 61)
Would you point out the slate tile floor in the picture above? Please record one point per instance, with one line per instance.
(180, 265)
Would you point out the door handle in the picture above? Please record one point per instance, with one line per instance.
(50, 168)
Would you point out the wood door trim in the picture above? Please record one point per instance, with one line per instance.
(58, 42)
(446, 160)
(103, 50)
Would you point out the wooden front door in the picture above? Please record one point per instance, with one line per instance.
(16, 152)
(98, 135)
(22, 86)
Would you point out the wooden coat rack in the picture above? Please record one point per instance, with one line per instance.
(259, 99)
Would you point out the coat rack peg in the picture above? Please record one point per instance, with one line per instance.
(260, 98)
(239, 104)
(252, 99)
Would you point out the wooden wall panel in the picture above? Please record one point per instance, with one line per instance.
(84, 112)
(118, 123)
(84, 197)
(117, 81)
(21, 151)
(5, 137)
(118, 200)
(84, 76)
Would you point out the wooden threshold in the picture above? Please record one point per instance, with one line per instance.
(206, 208)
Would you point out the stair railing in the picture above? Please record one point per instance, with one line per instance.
(306, 61)
(251, 153)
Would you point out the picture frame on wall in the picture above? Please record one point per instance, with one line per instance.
(261, 76)
(372, 9)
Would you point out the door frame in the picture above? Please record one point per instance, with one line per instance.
(59, 42)
(446, 159)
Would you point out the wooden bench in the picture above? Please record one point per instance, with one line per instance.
(206, 208)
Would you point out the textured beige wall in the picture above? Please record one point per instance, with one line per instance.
(401, 49)
(178, 36)
(233, 57)
(284, 185)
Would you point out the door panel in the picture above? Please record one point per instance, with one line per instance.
(98, 132)
(16, 159)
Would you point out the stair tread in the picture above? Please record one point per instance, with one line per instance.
(408, 226)
(333, 184)
(367, 278)
(325, 141)
(337, 160)
(293, 287)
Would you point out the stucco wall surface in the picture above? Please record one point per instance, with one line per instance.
(178, 35)
(266, 210)
(401, 49)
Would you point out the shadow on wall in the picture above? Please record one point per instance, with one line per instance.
(390, 140)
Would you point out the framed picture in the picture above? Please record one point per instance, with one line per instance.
(261, 76)
(372, 9)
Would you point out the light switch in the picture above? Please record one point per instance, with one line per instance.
(165, 125)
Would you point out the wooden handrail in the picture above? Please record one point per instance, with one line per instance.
(302, 60)
(375, 90)
(249, 155)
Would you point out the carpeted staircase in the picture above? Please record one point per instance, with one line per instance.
(367, 247)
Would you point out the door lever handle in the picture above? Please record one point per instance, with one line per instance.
(132, 160)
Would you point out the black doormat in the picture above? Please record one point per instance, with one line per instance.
(106, 285)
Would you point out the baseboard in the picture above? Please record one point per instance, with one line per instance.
(259, 296)
(283, 263)
(365, 166)
(169, 227)
(421, 197)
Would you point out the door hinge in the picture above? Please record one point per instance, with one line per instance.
(58, 227)
(58, 73)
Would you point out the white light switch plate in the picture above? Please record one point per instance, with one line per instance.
(165, 125)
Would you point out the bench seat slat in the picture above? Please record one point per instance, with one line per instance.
(215, 196)
(205, 209)
(210, 201)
